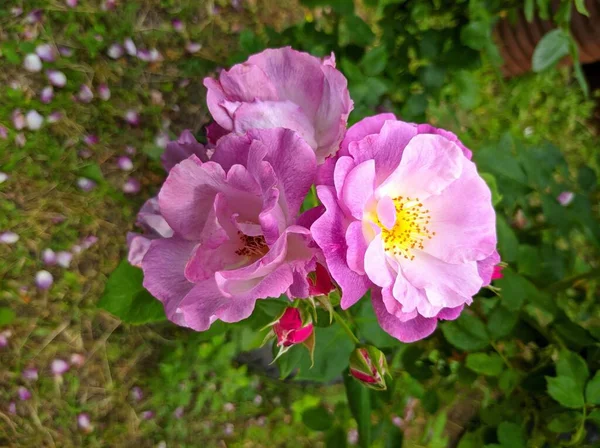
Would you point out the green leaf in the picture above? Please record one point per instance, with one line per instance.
(514, 289)
(529, 10)
(581, 9)
(565, 422)
(393, 436)
(552, 48)
(508, 244)
(336, 438)
(476, 34)
(359, 401)
(571, 365)
(471, 440)
(92, 171)
(466, 333)
(126, 298)
(501, 322)
(510, 435)
(369, 328)
(509, 379)
(491, 182)
(485, 364)
(332, 354)
(592, 390)
(468, 92)
(317, 418)
(374, 61)
(354, 30)
(566, 391)
(6, 316)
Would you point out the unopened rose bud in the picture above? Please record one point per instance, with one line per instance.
(497, 273)
(565, 198)
(290, 330)
(44, 280)
(320, 282)
(177, 25)
(369, 366)
(32, 63)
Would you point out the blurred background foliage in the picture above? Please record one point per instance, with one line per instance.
(519, 368)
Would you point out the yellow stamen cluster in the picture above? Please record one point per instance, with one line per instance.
(252, 246)
(410, 230)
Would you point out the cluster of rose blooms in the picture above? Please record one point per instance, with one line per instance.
(403, 213)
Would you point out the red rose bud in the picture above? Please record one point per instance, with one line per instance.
(497, 274)
(369, 366)
(290, 330)
(320, 283)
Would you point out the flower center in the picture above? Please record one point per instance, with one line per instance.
(410, 230)
(252, 246)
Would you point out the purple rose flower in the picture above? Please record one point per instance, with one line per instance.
(181, 149)
(237, 238)
(284, 88)
(407, 216)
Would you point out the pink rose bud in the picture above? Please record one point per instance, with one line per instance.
(131, 186)
(20, 140)
(56, 78)
(103, 92)
(290, 330)
(137, 394)
(63, 258)
(565, 198)
(147, 415)
(54, 117)
(18, 119)
(30, 374)
(130, 47)
(59, 367)
(369, 366)
(77, 360)
(9, 238)
(497, 274)
(65, 51)
(320, 284)
(49, 257)
(43, 279)
(84, 423)
(32, 63)
(178, 413)
(47, 94)
(71, 3)
(91, 139)
(23, 393)
(34, 16)
(109, 5)
(86, 184)
(34, 120)
(12, 408)
(3, 132)
(46, 52)
(193, 47)
(85, 94)
(132, 117)
(177, 25)
(125, 163)
(115, 51)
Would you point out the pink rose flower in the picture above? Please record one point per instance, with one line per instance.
(408, 217)
(153, 226)
(236, 237)
(284, 88)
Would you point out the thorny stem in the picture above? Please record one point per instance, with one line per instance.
(345, 326)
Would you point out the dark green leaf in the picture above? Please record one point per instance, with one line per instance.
(317, 418)
(566, 391)
(509, 379)
(592, 390)
(565, 422)
(485, 364)
(501, 322)
(354, 30)
(430, 401)
(466, 333)
(490, 180)
(471, 440)
(475, 35)
(336, 438)
(6, 316)
(92, 171)
(359, 401)
(581, 9)
(374, 61)
(126, 298)
(514, 289)
(508, 244)
(552, 48)
(571, 365)
(510, 435)
(393, 436)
